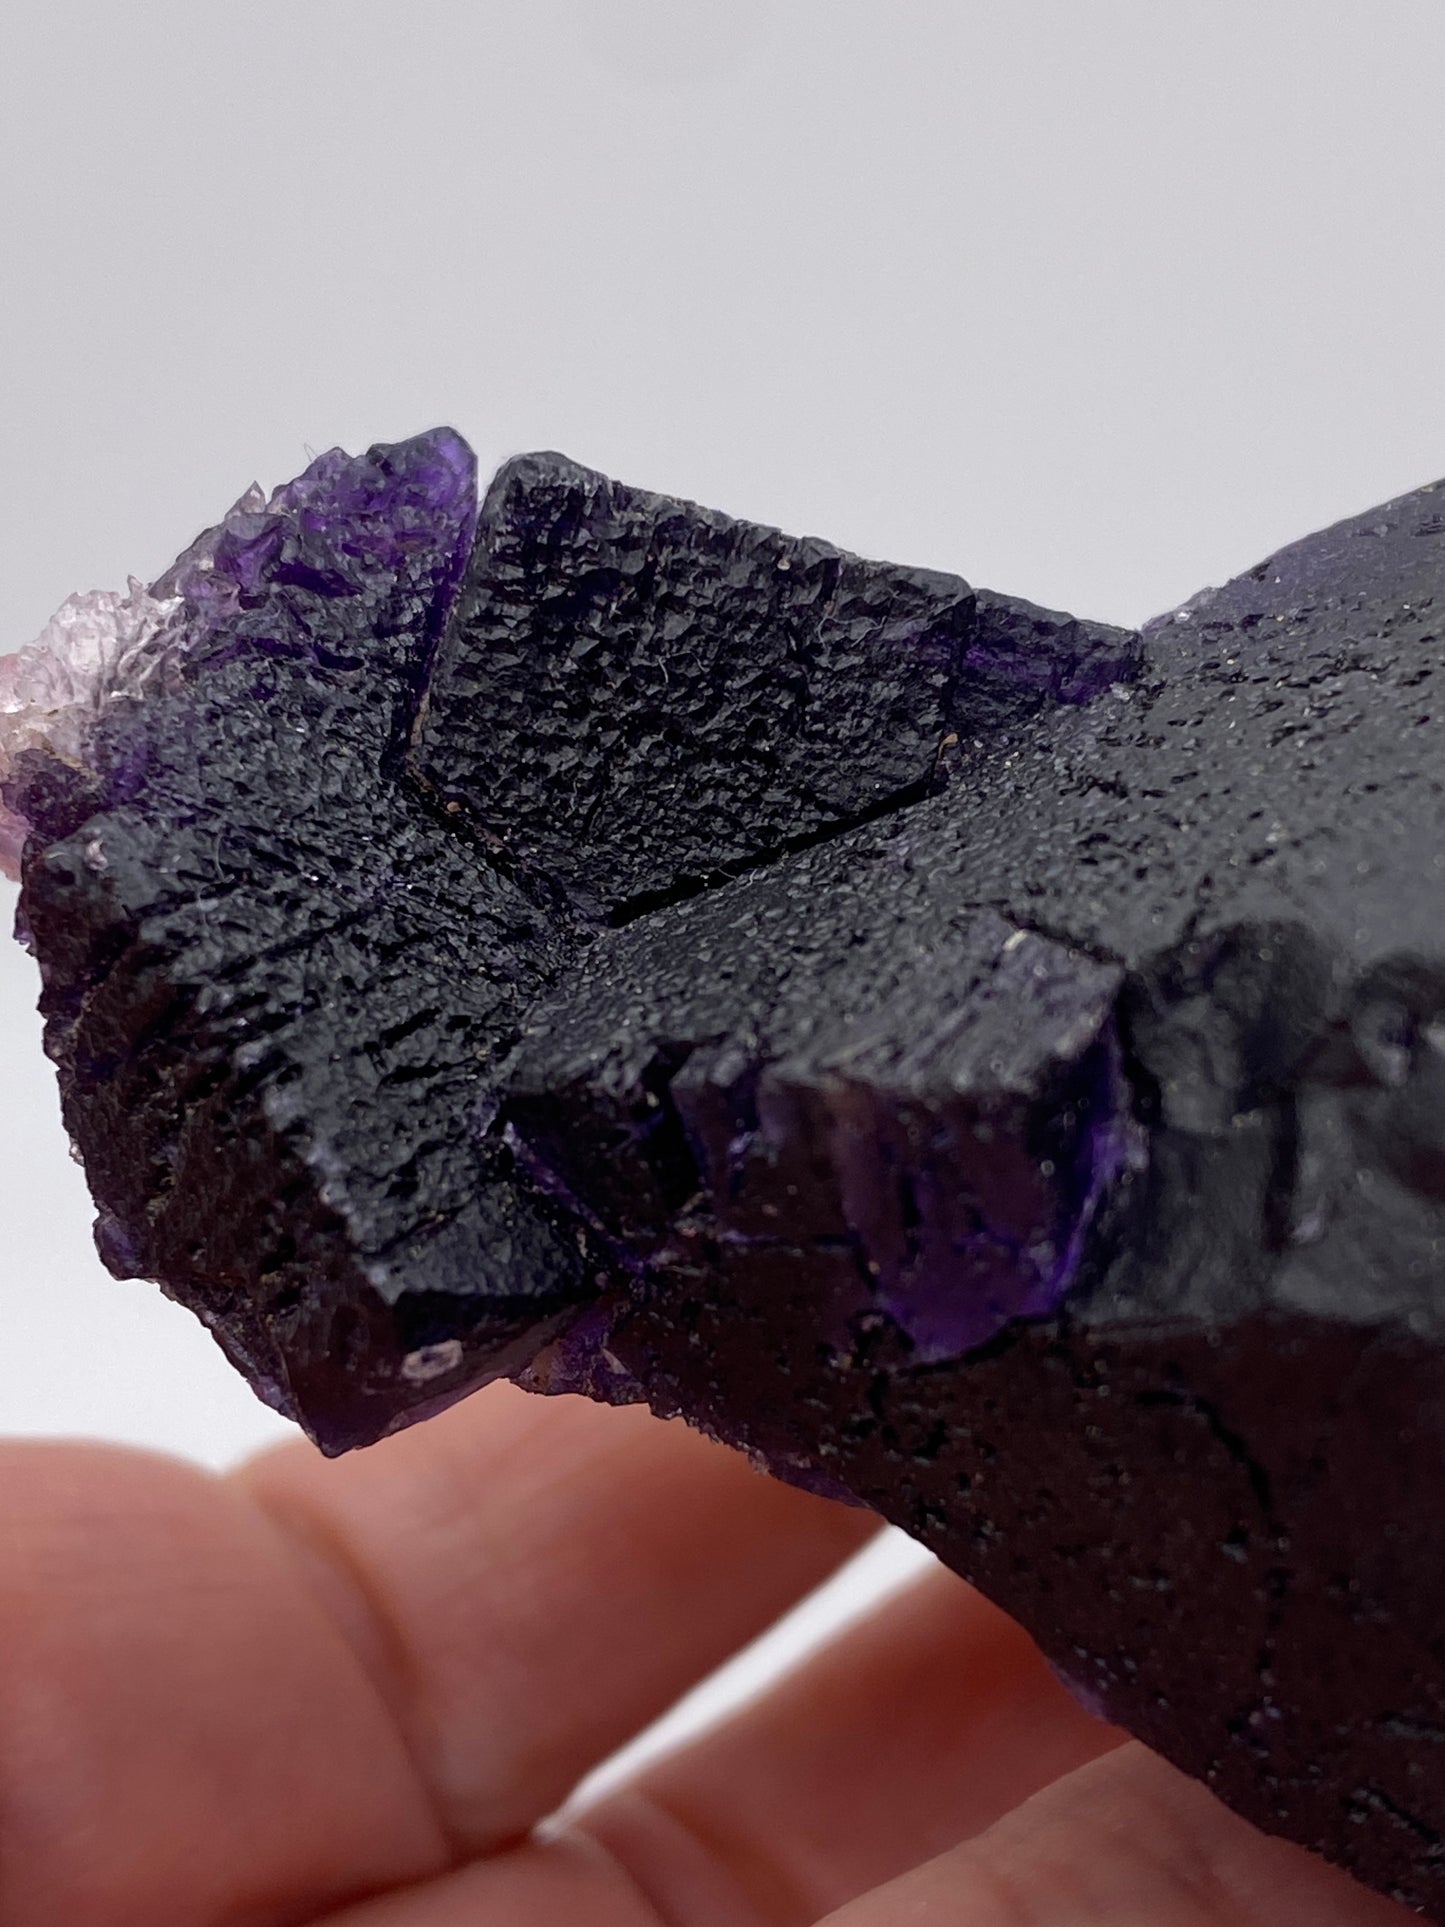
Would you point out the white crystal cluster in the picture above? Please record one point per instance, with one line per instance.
(95, 649)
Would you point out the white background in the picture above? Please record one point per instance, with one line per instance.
(1091, 300)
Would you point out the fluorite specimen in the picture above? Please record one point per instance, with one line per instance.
(985, 1064)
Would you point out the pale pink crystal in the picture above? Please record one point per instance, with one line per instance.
(95, 649)
(104, 645)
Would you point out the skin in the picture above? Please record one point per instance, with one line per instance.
(351, 1693)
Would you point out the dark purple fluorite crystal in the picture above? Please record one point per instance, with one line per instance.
(984, 1064)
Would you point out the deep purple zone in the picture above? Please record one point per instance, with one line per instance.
(344, 524)
(987, 1286)
(368, 528)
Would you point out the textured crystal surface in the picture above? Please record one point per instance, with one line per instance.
(636, 695)
(933, 1121)
(294, 908)
(981, 1063)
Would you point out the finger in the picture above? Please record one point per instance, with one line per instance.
(1125, 1841)
(912, 1731)
(937, 1714)
(530, 1581)
(561, 1884)
(184, 1735)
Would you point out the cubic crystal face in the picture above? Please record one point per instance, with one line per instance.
(984, 1064)
(293, 891)
(635, 695)
(942, 1105)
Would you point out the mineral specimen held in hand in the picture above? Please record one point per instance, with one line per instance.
(985, 1064)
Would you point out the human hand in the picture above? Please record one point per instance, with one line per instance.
(349, 1693)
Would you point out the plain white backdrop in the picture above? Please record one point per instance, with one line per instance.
(1095, 301)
